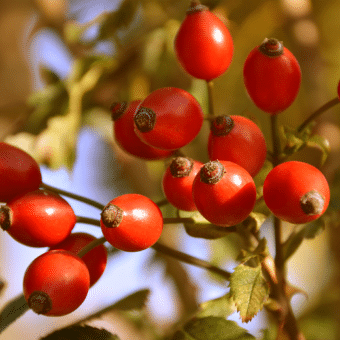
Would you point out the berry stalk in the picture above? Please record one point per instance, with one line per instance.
(190, 260)
(91, 245)
(286, 317)
(210, 86)
(74, 196)
(318, 112)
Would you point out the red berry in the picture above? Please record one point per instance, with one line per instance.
(272, 76)
(38, 219)
(177, 182)
(237, 139)
(296, 192)
(125, 135)
(95, 259)
(224, 193)
(56, 283)
(203, 44)
(168, 118)
(132, 222)
(19, 172)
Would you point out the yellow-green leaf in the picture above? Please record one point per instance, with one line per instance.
(221, 307)
(212, 328)
(249, 290)
(202, 228)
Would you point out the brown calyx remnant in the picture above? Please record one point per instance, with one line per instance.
(5, 217)
(271, 47)
(117, 109)
(181, 166)
(196, 6)
(312, 203)
(222, 125)
(212, 172)
(145, 119)
(40, 302)
(111, 216)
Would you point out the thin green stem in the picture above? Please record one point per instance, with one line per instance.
(74, 196)
(278, 290)
(166, 220)
(277, 222)
(179, 153)
(172, 252)
(171, 220)
(270, 157)
(88, 220)
(210, 86)
(275, 140)
(190, 260)
(91, 245)
(2, 286)
(162, 202)
(279, 260)
(318, 112)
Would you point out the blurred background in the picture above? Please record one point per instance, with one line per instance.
(125, 48)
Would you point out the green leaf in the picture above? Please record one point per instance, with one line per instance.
(134, 301)
(48, 102)
(55, 146)
(121, 18)
(82, 65)
(294, 142)
(266, 335)
(12, 311)
(254, 221)
(261, 252)
(154, 48)
(48, 76)
(202, 228)
(73, 32)
(306, 231)
(77, 332)
(100, 120)
(222, 307)
(249, 290)
(212, 328)
(321, 143)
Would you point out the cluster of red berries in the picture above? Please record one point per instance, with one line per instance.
(57, 282)
(222, 190)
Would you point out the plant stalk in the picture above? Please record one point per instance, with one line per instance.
(286, 317)
(210, 86)
(74, 196)
(190, 260)
(91, 245)
(318, 112)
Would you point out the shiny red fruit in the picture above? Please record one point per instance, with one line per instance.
(224, 193)
(296, 192)
(168, 118)
(177, 182)
(338, 90)
(131, 222)
(203, 44)
(125, 135)
(19, 172)
(272, 76)
(95, 259)
(237, 139)
(38, 219)
(56, 283)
